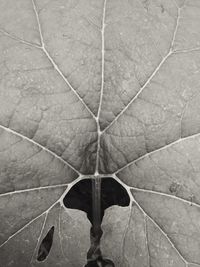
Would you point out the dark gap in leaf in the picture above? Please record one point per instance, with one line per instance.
(45, 245)
(81, 197)
(113, 193)
(100, 263)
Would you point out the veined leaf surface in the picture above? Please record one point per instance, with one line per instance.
(100, 88)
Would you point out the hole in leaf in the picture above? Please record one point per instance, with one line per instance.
(113, 193)
(45, 245)
(80, 196)
(94, 196)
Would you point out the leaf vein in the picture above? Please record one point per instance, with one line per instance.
(157, 150)
(40, 235)
(39, 145)
(11, 36)
(32, 189)
(162, 231)
(54, 63)
(102, 84)
(164, 59)
(166, 195)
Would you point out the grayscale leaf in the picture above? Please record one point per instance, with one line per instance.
(92, 89)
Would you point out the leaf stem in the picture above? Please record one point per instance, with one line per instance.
(96, 205)
(94, 252)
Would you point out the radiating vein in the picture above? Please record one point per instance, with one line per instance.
(38, 216)
(193, 263)
(166, 195)
(18, 39)
(176, 26)
(157, 150)
(22, 228)
(194, 49)
(102, 58)
(147, 241)
(161, 230)
(170, 52)
(43, 47)
(32, 189)
(40, 235)
(128, 188)
(102, 83)
(39, 145)
(140, 91)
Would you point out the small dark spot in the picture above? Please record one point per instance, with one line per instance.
(45, 245)
(192, 199)
(174, 188)
(162, 8)
(146, 4)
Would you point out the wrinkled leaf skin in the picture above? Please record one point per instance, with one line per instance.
(103, 88)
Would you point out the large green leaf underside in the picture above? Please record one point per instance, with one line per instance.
(103, 87)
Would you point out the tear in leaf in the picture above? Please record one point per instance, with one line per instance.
(45, 246)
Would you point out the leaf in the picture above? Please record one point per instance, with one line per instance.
(100, 89)
(139, 241)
